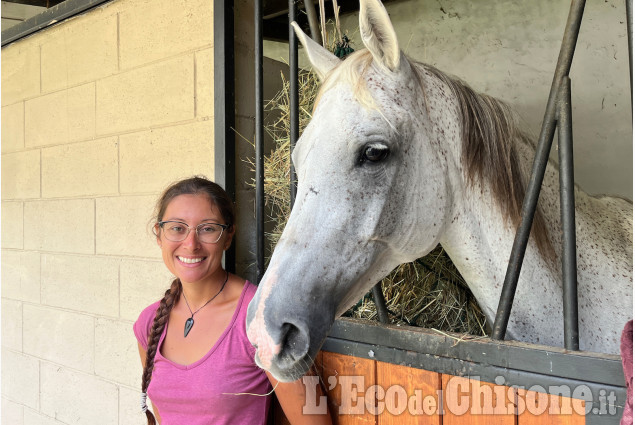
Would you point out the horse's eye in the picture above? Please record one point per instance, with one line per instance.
(374, 152)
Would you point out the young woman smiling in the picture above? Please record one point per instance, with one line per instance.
(199, 366)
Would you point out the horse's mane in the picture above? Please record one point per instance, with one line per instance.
(489, 130)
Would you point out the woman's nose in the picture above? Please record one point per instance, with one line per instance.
(191, 239)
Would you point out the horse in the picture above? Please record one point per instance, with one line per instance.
(399, 157)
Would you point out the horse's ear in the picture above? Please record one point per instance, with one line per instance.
(378, 33)
(322, 60)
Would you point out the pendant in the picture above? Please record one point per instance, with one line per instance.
(188, 326)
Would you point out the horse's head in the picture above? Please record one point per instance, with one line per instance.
(368, 164)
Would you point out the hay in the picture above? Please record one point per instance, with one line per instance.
(429, 292)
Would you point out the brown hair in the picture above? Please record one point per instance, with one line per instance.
(196, 185)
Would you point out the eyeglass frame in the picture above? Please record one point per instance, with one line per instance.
(160, 224)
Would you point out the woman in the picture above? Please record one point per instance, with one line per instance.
(198, 363)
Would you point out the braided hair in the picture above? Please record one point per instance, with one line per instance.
(197, 185)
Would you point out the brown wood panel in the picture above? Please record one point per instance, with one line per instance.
(467, 401)
(536, 408)
(347, 379)
(410, 396)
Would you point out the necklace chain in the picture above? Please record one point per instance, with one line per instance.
(190, 322)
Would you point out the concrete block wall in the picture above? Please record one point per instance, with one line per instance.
(99, 113)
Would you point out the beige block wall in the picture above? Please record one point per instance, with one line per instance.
(99, 113)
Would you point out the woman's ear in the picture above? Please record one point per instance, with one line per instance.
(156, 230)
(229, 238)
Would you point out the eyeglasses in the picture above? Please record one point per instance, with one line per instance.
(177, 231)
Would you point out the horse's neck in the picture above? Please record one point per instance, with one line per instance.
(479, 241)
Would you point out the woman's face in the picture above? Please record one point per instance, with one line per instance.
(191, 260)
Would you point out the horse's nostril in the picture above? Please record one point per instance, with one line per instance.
(295, 344)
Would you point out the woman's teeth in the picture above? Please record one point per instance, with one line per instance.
(190, 260)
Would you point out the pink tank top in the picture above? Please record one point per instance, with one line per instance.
(204, 391)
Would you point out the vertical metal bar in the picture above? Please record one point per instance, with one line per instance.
(380, 304)
(294, 117)
(259, 142)
(629, 30)
(538, 171)
(311, 16)
(567, 216)
(224, 116)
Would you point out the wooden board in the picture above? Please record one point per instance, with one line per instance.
(535, 408)
(411, 396)
(468, 401)
(346, 379)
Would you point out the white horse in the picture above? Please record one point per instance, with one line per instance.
(400, 157)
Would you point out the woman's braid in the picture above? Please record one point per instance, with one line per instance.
(160, 319)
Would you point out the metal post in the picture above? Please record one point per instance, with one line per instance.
(538, 170)
(294, 118)
(567, 216)
(380, 304)
(259, 144)
(309, 7)
(629, 31)
(224, 116)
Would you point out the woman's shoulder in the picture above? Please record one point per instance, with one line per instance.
(144, 323)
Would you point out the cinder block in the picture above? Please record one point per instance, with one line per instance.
(205, 83)
(33, 418)
(12, 225)
(20, 378)
(141, 284)
(60, 226)
(80, 169)
(116, 352)
(160, 93)
(12, 413)
(59, 336)
(12, 324)
(60, 117)
(129, 411)
(83, 50)
(13, 127)
(21, 275)
(20, 72)
(150, 160)
(133, 214)
(151, 30)
(92, 281)
(21, 175)
(75, 397)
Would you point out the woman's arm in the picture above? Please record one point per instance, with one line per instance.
(142, 354)
(292, 397)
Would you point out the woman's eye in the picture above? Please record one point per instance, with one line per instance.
(375, 152)
(207, 229)
(177, 229)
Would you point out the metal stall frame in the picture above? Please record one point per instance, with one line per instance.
(519, 363)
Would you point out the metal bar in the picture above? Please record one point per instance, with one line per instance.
(294, 102)
(538, 171)
(555, 361)
(259, 142)
(380, 304)
(224, 116)
(629, 30)
(567, 216)
(311, 16)
(55, 14)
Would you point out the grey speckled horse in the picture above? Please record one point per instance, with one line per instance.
(399, 157)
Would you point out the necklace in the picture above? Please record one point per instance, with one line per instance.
(190, 322)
